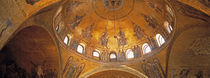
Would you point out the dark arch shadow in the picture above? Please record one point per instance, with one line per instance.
(31, 52)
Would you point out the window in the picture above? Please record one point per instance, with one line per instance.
(66, 40)
(160, 39)
(146, 48)
(96, 53)
(168, 27)
(169, 10)
(113, 56)
(80, 48)
(57, 28)
(129, 54)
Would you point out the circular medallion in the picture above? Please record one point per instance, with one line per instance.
(113, 4)
(113, 9)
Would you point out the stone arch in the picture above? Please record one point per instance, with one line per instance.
(113, 68)
(32, 49)
(187, 55)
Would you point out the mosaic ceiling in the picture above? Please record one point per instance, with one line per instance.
(114, 27)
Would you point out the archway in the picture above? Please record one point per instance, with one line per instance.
(190, 53)
(117, 71)
(30, 53)
(113, 74)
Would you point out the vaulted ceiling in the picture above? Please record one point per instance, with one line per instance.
(107, 26)
(115, 26)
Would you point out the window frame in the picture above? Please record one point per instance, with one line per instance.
(128, 51)
(168, 26)
(68, 37)
(160, 40)
(96, 51)
(115, 56)
(144, 48)
(66, 40)
(83, 48)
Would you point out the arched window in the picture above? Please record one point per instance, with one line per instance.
(113, 57)
(96, 53)
(66, 40)
(146, 48)
(81, 48)
(169, 10)
(168, 27)
(160, 39)
(129, 54)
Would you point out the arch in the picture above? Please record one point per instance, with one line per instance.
(191, 41)
(96, 53)
(81, 48)
(160, 40)
(58, 24)
(129, 54)
(67, 39)
(168, 27)
(146, 48)
(107, 68)
(113, 56)
(33, 48)
(113, 74)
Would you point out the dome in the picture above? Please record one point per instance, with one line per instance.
(114, 31)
